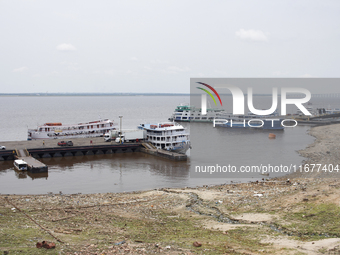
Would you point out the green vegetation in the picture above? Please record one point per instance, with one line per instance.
(314, 221)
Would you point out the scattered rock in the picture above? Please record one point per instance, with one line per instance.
(197, 244)
(46, 245)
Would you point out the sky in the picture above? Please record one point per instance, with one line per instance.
(146, 46)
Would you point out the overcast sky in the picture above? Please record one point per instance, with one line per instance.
(157, 46)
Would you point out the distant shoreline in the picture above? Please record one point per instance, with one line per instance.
(92, 94)
(109, 94)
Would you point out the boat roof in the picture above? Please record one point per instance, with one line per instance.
(162, 126)
(20, 161)
(190, 107)
(79, 124)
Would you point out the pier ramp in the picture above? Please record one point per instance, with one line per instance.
(33, 165)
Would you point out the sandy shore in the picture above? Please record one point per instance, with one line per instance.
(298, 215)
(324, 151)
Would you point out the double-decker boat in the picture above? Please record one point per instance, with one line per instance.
(58, 130)
(169, 136)
(190, 113)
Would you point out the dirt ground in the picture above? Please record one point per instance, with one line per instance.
(292, 215)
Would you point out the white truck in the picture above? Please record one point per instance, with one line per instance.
(112, 134)
(131, 136)
(127, 135)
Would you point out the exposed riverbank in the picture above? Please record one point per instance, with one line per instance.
(299, 216)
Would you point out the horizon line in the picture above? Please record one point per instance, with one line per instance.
(123, 94)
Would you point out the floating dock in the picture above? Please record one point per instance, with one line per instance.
(319, 120)
(82, 146)
(33, 165)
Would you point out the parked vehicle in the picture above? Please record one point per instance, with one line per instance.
(2, 147)
(63, 143)
(131, 136)
(128, 135)
(111, 135)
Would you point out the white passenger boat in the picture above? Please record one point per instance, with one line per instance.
(20, 165)
(58, 130)
(190, 113)
(169, 136)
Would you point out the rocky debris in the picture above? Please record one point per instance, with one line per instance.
(81, 214)
(45, 244)
(197, 244)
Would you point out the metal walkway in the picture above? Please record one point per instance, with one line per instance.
(149, 146)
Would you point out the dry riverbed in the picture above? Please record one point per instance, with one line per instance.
(279, 216)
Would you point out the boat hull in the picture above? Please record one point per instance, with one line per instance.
(182, 148)
(51, 135)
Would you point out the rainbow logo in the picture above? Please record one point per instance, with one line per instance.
(208, 92)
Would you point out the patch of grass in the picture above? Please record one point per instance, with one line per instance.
(323, 250)
(249, 237)
(182, 232)
(18, 235)
(316, 221)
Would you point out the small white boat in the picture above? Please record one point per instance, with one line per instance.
(20, 165)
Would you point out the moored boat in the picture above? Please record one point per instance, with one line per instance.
(186, 113)
(58, 130)
(169, 136)
(20, 165)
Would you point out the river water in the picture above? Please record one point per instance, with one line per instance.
(135, 171)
